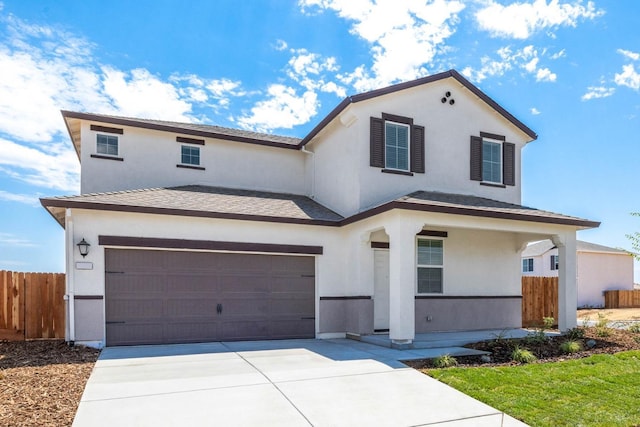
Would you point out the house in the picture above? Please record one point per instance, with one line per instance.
(399, 212)
(599, 268)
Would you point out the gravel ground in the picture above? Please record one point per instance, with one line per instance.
(41, 382)
(612, 314)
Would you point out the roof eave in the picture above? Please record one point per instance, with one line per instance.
(413, 83)
(123, 121)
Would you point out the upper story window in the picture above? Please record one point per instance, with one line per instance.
(555, 262)
(107, 145)
(430, 266)
(190, 155)
(492, 160)
(396, 149)
(527, 265)
(396, 145)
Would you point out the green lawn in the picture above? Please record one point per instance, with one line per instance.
(601, 390)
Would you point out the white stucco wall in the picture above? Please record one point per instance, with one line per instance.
(598, 272)
(447, 138)
(150, 159)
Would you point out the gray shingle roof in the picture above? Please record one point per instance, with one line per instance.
(217, 202)
(189, 128)
(200, 200)
(480, 206)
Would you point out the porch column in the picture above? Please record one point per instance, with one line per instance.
(402, 280)
(567, 286)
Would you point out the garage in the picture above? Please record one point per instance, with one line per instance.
(163, 297)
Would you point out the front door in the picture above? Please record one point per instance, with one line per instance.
(381, 290)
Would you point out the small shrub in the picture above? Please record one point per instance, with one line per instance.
(635, 328)
(522, 355)
(575, 333)
(602, 328)
(538, 336)
(570, 347)
(445, 361)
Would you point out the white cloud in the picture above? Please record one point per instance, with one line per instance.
(629, 77)
(559, 55)
(141, 94)
(56, 168)
(404, 36)
(596, 92)
(312, 70)
(535, 111)
(545, 75)
(527, 59)
(283, 109)
(634, 56)
(281, 45)
(523, 19)
(8, 239)
(27, 199)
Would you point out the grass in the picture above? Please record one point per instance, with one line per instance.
(600, 390)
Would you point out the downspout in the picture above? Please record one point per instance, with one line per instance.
(313, 170)
(70, 296)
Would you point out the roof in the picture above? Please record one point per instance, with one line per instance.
(218, 202)
(194, 129)
(459, 204)
(542, 247)
(209, 131)
(413, 83)
(202, 201)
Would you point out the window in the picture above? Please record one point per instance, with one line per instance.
(555, 261)
(396, 146)
(527, 265)
(491, 161)
(190, 155)
(430, 266)
(107, 145)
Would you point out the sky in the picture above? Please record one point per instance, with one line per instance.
(570, 70)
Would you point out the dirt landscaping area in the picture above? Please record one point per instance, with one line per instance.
(613, 314)
(41, 382)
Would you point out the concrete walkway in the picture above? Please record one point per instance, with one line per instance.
(274, 383)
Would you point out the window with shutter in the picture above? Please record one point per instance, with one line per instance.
(396, 145)
(492, 160)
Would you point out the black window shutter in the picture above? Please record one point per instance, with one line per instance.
(417, 149)
(476, 158)
(552, 264)
(509, 163)
(376, 149)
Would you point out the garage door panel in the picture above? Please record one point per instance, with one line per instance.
(244, 329)
(244, 283)
(190, 307)
(120, 310)
(193, 283)
(176, 297)
(288, 328)
(129, 334)
(189, 331)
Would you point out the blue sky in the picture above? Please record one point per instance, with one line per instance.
(570, 70)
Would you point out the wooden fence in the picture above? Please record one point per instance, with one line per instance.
(539, 299)
(31, 305)
(622, 299)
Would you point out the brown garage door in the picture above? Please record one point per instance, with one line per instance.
(155, 297)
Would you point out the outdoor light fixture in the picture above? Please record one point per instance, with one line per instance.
(83, 247)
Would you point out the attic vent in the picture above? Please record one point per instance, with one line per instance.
(447, 98)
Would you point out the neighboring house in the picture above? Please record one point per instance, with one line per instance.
(599, 268)
(400, 212)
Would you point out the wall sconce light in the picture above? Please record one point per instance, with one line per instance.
(83, 247)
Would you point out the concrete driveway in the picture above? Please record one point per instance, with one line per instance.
(273, 383)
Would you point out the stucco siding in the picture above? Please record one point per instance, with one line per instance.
(598, 272)
(442, 314)
(150, 158)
